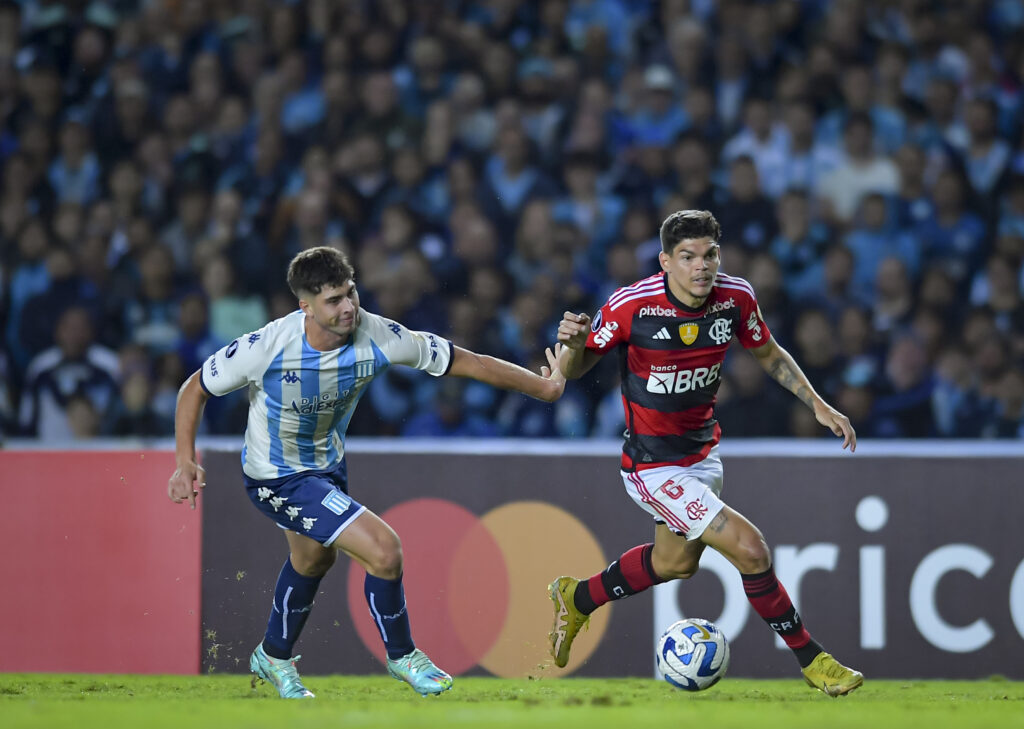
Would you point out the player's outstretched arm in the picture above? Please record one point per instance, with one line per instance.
(188, 476)
(547, 386)
(575, 360)
(780, 364)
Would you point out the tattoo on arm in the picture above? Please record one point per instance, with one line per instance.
(718, 523)
(783, 373)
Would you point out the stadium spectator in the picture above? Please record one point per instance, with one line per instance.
(131, 124)
(746, 210)
(873, 237)
(76, 366)
(765, 142)
(862, 171)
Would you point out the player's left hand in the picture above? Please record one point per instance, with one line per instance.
(552, 373)
(837, 423)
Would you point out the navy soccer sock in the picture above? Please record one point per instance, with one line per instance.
(386, 599)
(293, 598)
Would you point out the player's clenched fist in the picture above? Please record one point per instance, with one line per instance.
(573, 329)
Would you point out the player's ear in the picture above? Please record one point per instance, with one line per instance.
(663, 260)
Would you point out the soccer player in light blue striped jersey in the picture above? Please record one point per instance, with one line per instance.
(305, 373)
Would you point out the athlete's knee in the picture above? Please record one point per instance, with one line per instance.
(752, 554)
(674, 567)
(310, 563)
(385, 560)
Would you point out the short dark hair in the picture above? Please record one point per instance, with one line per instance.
(684, 224)
(317, 267)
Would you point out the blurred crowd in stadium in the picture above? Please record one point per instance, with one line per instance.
(491, 164)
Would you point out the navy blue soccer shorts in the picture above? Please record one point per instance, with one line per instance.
(315, 504)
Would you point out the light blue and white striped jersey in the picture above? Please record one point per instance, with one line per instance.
(300, 399)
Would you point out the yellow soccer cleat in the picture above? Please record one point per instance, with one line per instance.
(831, 677)
(568, 620)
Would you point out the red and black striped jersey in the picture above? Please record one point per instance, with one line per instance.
(670, 359)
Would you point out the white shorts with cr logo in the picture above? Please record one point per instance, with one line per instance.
(684, 498)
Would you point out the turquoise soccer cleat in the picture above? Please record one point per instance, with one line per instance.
(420, 672)
(280, 672)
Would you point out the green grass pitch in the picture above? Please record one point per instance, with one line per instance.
(224, 702)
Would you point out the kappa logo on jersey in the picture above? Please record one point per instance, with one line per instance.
(754, 327)
(290, 377)
(667, 380)
(605, 335)
(253, 338)
(721, 331)
(688, 333)
(721, 306)
(662, 334)
(396, 328)
(656, 311)
(232, 348)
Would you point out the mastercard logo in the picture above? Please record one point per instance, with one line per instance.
(476, 586)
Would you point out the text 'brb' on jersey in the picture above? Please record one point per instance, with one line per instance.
(671, 360)
(300, 399)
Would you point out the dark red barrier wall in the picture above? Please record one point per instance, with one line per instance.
(100, 571)
(902, 566)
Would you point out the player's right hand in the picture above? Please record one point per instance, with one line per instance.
(185, 482)
(573, 330)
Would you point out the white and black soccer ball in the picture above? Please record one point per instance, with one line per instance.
(693, 654)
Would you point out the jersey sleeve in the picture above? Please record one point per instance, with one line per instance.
(400, 345)
(608, 329)
(236, 365)
(753, 331)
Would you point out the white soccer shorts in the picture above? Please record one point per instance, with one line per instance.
(684, 498)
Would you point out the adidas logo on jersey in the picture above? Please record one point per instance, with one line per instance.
(662, 334)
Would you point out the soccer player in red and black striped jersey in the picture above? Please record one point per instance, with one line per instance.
(671, 332)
